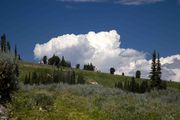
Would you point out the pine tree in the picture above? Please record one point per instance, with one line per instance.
(15, 52)
(153, 73)
(8, 46)
(158, 71)
(45, 59)
(63, 62)
(3, 43)
(19, 57)
(138, 74)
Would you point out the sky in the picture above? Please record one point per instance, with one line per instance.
(99, 27)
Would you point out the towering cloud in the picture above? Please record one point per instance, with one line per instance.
(104, 51)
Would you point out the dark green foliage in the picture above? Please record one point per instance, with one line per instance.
(8, 46)
(133, 86)
(19, 57)
(138, 74)
(123, 74)
(54, 60)
(35, 78)
(155, 73)
(63, 62)
(144, 87)
(77, 66)
(45, 59)
(3, 43)
(112, 70)
(26, 79)
(8, 76)
(89, 67)
(80, 79)
(15, 52)
(57, 76)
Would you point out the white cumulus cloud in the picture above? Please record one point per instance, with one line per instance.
(104, 51)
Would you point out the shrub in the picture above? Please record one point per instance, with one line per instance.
(112, 70)
(8, 76)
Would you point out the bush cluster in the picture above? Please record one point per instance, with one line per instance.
(89, 67)
(137, 87)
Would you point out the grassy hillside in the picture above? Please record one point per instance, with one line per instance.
(92, 102)
(104, 79)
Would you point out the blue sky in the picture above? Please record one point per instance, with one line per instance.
(143, 27)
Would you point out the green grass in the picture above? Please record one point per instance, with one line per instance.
(88, 102)
(104, 79)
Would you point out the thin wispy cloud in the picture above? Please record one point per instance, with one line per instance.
(178, 2)
(137, 2)
(123, 2)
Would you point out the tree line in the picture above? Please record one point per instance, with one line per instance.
(6, 47)
(57, 76)
(56, 61)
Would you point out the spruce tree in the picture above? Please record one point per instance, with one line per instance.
(15, 52)
(45, 59)
(158, 71)
(3, 43)
(153, 74)
(8, 46)
(63, 62)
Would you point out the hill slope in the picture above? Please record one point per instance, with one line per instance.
(104, 79)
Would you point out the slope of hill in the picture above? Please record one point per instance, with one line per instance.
(90, 102)
(104, 79)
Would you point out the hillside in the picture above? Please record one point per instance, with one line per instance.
(89, 102)
(104, 79)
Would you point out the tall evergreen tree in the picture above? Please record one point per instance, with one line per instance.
(138, 74)
(8, 46)
(45, 59)
(158, 71)
(3, 43)
(63, 62)
(153, 74)
(15, 52)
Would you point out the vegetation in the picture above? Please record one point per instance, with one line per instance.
(112, 70)
(155, 73)
(8, 76)
(138, 74)
(89, 102)
(89, 67)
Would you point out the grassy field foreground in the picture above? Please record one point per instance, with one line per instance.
(88, 102)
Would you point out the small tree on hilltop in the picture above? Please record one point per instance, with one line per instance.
(138, 74)
(45, 59)
(77, 66)
(112, 70)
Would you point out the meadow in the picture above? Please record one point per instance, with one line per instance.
(92, 102)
